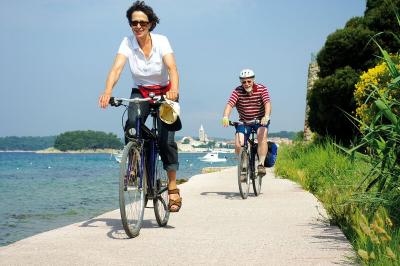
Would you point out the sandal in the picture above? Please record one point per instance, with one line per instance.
(177, 202)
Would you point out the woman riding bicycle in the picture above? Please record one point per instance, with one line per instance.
(153, 68)
(252, 102)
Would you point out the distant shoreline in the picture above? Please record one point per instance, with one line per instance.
(16, 151)
(89, 151)
(52, 150)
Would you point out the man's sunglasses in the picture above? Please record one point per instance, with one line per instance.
(141, 22)
(246, 81)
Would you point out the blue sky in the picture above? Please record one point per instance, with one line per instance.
(56, 54)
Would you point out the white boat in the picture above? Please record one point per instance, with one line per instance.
(212, 157)
(117, 156)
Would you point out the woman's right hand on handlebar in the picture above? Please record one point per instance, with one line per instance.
(104, 99)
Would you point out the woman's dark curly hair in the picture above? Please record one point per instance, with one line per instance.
(141, 6)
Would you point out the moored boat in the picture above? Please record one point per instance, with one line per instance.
(212, 157)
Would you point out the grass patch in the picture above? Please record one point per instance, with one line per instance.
(336, 180)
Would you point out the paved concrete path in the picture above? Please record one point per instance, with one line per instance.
(283, 226)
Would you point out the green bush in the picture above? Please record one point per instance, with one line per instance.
(379, 18)
(381, 139)
(381, 136)
(351, 47)
(346, 47)
(329, 97)
(79, 140)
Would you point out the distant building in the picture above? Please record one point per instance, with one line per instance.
(188, 144)
(202, 134)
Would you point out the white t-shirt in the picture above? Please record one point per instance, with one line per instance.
(151, 71)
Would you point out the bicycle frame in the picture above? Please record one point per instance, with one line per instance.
(140, 179)
(150, 151)
(247, 170)
(250, 140)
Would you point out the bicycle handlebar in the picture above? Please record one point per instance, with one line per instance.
(247, 123)
(114, 101)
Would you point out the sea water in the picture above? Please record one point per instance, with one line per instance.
(40, 192)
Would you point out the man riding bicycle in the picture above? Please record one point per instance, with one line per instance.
(252, 102)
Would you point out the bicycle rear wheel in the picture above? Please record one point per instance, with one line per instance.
(132, 184)
(160, 202)
(256, 179)
(243, 173)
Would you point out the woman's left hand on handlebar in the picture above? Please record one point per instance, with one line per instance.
(172, 95)
(104, 99)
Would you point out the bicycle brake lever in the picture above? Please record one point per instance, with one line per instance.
(114, 102)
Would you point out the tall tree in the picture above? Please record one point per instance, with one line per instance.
(346, 53)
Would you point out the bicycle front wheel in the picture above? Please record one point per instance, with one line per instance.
(244, 173)
(256, 179)
(132, 184)
(160, 202)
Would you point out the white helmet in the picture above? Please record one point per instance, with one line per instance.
(246, 73)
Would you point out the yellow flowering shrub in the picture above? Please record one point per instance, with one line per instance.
(378, 76)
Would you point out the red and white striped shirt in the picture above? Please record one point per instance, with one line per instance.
(250, 107)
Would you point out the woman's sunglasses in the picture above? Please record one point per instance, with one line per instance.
(137, 22)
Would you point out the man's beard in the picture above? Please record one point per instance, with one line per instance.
(249, 89)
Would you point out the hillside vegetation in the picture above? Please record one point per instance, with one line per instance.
(67, 141)
(13, 143)
(286, 134)
(81, 140)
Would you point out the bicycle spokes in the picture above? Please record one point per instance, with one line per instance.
(161, 200)
(132, 174)
(244, 173)
(131, 193)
